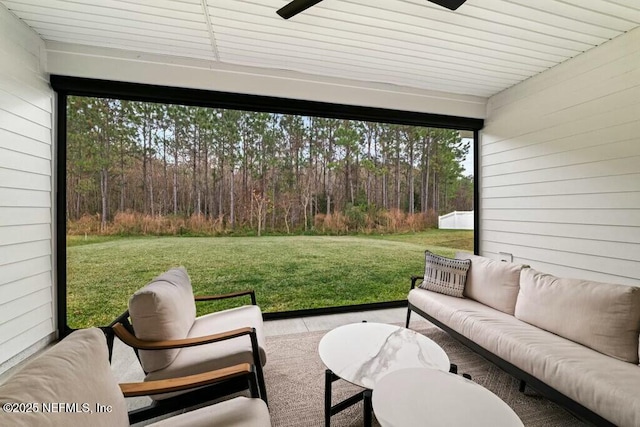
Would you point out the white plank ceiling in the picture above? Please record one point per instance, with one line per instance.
(481, 49)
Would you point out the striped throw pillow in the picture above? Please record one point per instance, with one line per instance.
(445, 275)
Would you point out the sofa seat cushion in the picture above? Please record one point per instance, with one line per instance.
(237, 412)
(602, 316)
(202, 358)
(491, 282)
(163, 310)
(74, 371)
(605, 385)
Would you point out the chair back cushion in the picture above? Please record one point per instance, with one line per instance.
(491, 282)
(602, 316)
(163, 310)
(66, 383)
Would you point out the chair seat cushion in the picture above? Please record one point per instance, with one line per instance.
(202, 358)
(237, 412)
(75, 376)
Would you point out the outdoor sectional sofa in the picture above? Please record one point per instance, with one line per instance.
(575, 341)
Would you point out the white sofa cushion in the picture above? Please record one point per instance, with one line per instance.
(605, 385)
(237, 412)
(163, 310)
(493, 283)
(602, 316)
(74, 371)
(202, 358)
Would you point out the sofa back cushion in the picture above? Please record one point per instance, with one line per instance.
(602, 316)
(70, 379)
(493, 283)
(163, 310)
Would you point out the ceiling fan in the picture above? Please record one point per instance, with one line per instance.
(296, 6)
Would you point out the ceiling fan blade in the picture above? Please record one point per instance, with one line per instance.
(295, 7)
(449, 4)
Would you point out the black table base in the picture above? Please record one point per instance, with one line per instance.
(365, 395)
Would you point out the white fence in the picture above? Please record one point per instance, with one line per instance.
(456, 220)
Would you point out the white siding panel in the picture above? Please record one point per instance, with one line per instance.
(20, 288)
(24, 322)
(24, 233)
(24, 109)
(579, 95)
(607, 151)
(27, 60)
(25, 198)
(604, 233)
(22, 144)
(616, 250)
(560, 162)
(29, 181)
(506, 139)
(14, 160)
(24, 251)
(25, 340)
(604, 184)
(24, 215)
(603, 168)
(567, 144)
(629, 200)
(30, 302)
(603, 216)
(35, 90)
(620, 271)
(17, 124)
(621, 48)
(26, 275)
(19, 270)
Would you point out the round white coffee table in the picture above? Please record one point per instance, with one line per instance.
(418, 396)
(363, 353)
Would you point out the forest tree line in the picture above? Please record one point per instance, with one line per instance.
(254, 170)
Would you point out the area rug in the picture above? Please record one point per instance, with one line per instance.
(295, 384)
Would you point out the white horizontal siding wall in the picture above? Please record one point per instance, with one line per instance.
(26, 278)
(560, 167)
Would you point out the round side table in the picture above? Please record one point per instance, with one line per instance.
(363, 353)
(418, 396)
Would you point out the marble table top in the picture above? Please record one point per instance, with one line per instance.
(418, 396)
(362, 353)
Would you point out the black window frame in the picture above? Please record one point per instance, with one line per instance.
(65, 86)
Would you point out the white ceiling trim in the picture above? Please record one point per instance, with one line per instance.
(483, 48)
(212, 35)
(137, 67)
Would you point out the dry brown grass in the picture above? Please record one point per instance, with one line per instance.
(130, 223)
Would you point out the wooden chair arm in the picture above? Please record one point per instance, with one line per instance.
(414, 279)
(184, 383)
(250, 292)
(132, 341)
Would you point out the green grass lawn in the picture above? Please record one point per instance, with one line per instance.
(287, 272)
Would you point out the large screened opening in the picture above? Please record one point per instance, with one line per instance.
(319, 210)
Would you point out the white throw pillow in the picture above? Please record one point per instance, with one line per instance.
(445, 275)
